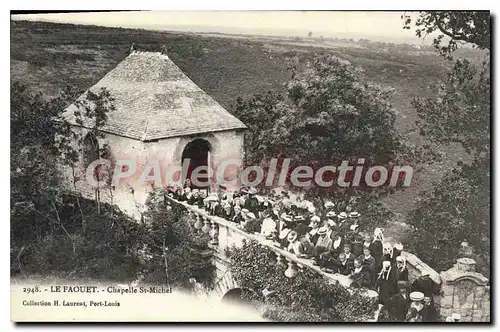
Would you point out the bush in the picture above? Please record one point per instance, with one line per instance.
(305, 298)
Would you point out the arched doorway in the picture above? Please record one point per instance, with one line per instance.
(198, 152)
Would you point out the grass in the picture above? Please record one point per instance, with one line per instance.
(49, 57)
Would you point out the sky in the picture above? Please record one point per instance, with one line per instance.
(374, 25)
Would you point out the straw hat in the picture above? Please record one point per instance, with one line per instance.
(354, 214)
(329, 205)
(416, 296)
(252, 191)
(342, 215)
(315, 219)
(331, 214)
(322, 230)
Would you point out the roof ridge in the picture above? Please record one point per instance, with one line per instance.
(150, 53)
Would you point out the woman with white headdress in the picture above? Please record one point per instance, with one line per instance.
(401, 269)
(386, 284)
(377, 248)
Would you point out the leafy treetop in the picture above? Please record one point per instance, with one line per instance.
(459, 27)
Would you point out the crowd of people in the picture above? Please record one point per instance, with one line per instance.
(332, 239)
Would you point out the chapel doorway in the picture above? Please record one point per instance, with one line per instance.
(198, 152)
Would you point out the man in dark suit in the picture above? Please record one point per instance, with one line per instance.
(342, 265)
(429, 312)
(252, 204)
(193, 199)
(347, 252)
(181, 195)
(400, 303)
(369, 262)
(360, 275)
(237, 217)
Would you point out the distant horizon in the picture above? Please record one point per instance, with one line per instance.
(376, 26)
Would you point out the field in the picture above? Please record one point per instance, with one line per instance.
(50, 57)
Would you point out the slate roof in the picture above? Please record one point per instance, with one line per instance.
(154, 99)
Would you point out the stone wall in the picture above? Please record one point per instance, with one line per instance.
(416, 268)
(465, 292)
(130, 195)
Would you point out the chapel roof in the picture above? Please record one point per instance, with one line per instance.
(154, 99)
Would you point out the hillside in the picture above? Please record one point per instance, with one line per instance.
(49, 57)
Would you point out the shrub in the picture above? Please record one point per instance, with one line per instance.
(305, 298)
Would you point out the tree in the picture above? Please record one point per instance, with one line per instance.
(178, 252)
(31, 118)
(460, 113)
(459, 27)
(458, 208)
(34, 179)
(91, 112)
(330, 113)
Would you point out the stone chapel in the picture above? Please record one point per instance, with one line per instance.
(159, 114)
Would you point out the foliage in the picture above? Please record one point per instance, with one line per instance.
(330, 114)
(459, 27)
(105, 250)
(186, 252)
(460, 113)
(305, 298)
(31, 117)
(458, 208)
(46, 234)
